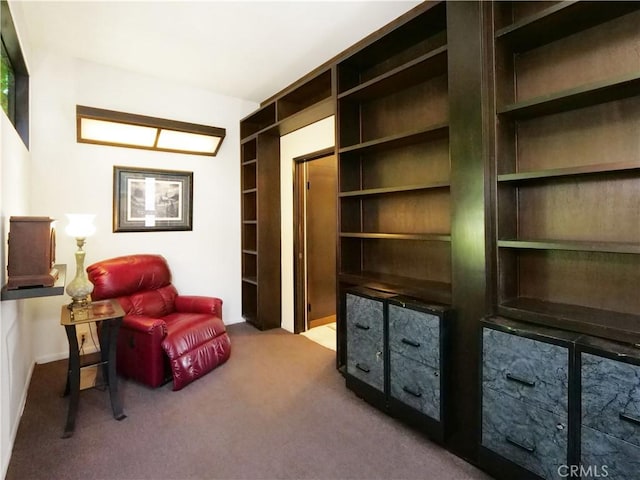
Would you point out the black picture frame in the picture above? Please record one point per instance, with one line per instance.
(146, 199)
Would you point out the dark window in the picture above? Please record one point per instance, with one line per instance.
(7, 85)
(14, 77)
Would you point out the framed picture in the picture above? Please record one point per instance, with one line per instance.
(151, 200)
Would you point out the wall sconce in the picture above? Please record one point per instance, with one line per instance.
(80, 227)
(108, 127)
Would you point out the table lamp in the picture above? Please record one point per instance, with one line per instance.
(80, 227)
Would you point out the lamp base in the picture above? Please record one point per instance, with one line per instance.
(82, 302)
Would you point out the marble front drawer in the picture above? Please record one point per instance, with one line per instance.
(534, 438)
(365, 340)
(367, 366)
(608, 456)
(611, 397)
(365, 321)
(415, 335)
(415, 384)
(533, 371)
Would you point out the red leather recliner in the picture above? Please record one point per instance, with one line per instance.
(163, 334)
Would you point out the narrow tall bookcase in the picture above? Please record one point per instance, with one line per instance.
(394, 196)
(260, 177)
(568, 164)
(308, 101)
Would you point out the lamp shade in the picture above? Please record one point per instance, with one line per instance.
(80, 225)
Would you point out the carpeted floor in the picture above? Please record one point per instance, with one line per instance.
(278, 409)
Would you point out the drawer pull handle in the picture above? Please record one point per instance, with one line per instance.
(629, 418)
(362, 327)
(362, 368)
(521, 381)
(411, 343)
(521, 446)
(412, 392)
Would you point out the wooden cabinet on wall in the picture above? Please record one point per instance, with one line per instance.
(568, 164)
(394, 161)
(260, 179)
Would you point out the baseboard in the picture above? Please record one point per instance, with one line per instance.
(53, 357)
(16, 424)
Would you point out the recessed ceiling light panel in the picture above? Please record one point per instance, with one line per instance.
(108, 127)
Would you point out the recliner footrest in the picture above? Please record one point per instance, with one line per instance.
(195, 347)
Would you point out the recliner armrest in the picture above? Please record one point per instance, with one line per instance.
(198, 304)
(144, 324)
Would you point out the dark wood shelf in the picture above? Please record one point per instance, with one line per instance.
(433, 237)
(309, 94)
(301, 118)
(561, 20)
(391, 190)
(605, 247)
(250, 190)
(412, 287)
(396, 41)
(258, 121)
(600, 168)
(440, 130)
(251, 280)
(622, 327)
(250, 222)
(575, 98)
(421, 289)
(34, 292)
(425, 67)
(253, 161)
(250, 252)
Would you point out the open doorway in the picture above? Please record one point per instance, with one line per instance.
(315, 223)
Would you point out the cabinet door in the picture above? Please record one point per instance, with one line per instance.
(365, 340)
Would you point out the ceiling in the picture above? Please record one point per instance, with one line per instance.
(244, 49)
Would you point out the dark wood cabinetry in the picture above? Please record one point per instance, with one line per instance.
(261, 230)
(396, 355)
(260, 184)
(489, 165)
(393, 134)
(568, 165)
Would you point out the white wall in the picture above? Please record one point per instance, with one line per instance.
(16, 355)
(71, 177)
(312, 138)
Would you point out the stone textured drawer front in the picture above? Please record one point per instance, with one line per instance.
(415, 384)
(415, 335)
(609, 456)
(611, 397)
(365, 359)
(533, 371)
(365, 320)
(368, 367)
(529, 436)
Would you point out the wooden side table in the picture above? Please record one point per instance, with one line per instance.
(108, 314)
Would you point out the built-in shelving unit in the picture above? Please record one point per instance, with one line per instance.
(568, 165)
(309, 100)
(489, 166)
(395, 231)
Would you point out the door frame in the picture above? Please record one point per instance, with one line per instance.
(299, 253)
